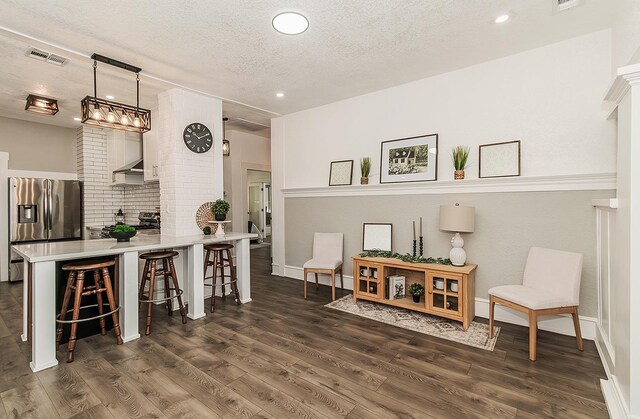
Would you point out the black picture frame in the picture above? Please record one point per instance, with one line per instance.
(392, 171)
(338, 173)
(516, 160)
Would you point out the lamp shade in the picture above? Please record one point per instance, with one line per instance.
(457, 218)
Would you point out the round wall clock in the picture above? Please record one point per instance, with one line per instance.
(197, 137)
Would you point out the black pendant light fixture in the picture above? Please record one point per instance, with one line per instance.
(41, 104)
(226, 146)
(109, 114)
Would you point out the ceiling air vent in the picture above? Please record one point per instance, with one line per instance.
(562, 5)
(41, 55)
(246, 124)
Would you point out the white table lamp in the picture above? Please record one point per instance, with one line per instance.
(459, 220)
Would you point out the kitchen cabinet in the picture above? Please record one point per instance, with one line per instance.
(150, 146)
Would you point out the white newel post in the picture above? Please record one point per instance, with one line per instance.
(43, 311)
(4, 218)
(128, 284)
(622, 389)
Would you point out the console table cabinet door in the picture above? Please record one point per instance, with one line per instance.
(369, 279)
(444, 293)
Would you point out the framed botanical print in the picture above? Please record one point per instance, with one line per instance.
(499, 159)
(341, 173)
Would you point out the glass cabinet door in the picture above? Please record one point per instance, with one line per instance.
(445, 293)
(369, 276)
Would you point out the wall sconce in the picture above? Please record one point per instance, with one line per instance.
(105, 113)
(226, 147)
(42, 105)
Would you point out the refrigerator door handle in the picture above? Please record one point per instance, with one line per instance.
(50, 205)
(45, 201)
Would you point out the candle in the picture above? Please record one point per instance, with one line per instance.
(414, 230)
(420, 226)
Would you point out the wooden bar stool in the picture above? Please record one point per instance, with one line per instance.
(150, 273)
(76, 284)
(221, 253)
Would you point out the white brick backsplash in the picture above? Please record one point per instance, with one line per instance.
(102, 200)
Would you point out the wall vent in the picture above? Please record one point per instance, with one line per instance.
(41, 55)
(246, 124)
(562, 5)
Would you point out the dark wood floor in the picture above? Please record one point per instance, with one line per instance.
(281, 357)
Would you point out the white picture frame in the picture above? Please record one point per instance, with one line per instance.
(376, 236)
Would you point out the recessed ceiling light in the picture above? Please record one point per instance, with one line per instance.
(280, 94)
(77, 119)
(290, 23)
(110, 97)
(502, 18)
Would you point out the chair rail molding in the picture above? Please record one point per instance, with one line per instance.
(598, 181)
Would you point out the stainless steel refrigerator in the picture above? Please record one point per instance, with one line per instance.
(43, 210)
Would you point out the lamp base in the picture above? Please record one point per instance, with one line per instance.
(457, 255)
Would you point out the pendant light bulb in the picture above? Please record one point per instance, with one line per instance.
(96, 114)
(136, 122)
(125, 119)
(111, 117)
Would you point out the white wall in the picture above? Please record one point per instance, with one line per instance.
(248, 151)
(550, 98)
(626, 33)
(38, 147)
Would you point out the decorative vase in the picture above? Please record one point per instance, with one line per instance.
(220, 217)
(364, 180)
(416, 298)
(458, 174)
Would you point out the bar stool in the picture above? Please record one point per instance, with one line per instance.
(221, 259)
(167, 271)
(76, 284)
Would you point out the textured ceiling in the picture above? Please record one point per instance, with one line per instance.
(229, 49)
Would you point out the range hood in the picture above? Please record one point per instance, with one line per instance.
(136, 167)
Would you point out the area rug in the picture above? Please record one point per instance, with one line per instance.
(477, 335)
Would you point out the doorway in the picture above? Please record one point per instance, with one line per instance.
(259, 204)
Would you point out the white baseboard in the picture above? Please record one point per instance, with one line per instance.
(556, 324)
(613, 398)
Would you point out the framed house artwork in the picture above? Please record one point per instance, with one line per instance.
(499, 159)
(341, 173)
(413, 159)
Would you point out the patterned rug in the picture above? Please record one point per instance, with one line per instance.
(477, 335)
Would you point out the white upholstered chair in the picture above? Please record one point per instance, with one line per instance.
(327, 259)
(550, 285)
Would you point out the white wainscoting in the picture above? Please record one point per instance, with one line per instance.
(605, 231)
(555, 324)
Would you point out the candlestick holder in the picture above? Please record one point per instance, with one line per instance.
(414, 247)
(421, 246)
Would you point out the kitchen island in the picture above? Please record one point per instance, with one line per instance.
(39, 325)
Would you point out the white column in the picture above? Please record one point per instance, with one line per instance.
(128, 314)
(25, 303)
(4, 218)
(243, 269)
(43, 315)
(195, 285)
(277, 200)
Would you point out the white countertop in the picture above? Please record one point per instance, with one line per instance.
(41, 252)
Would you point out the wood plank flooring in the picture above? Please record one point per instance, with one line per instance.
(283, 357)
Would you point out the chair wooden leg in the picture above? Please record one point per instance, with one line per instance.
(333, 285)
(145, 278)
(76, 315)
(174, 276)
(576, 325)
(341, 280)
(213, 281)
(152, 285)
(65, 305)
(304, 279)
(533, 331)
(234, 278)
(492, 306)
(167, 285)
(206, 263)
(316, 273)
(112, 304)
(223, 288)
(96, 281)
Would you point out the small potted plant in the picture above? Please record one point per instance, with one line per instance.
(122, 232)
(220, 208)
(417, 290)
(365, 169)
(460, 155)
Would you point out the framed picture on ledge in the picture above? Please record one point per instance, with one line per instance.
(341, 173)
(376, 236)
(499, 159)
(413, 159)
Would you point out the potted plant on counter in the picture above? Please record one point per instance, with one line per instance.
(365, 169)
(220, 208)
(417, 290)
(122, 232)
(460, 155)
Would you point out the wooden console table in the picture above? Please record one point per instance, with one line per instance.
(449, 290)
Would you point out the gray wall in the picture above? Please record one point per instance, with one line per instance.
(39, 147)
(507, 225)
